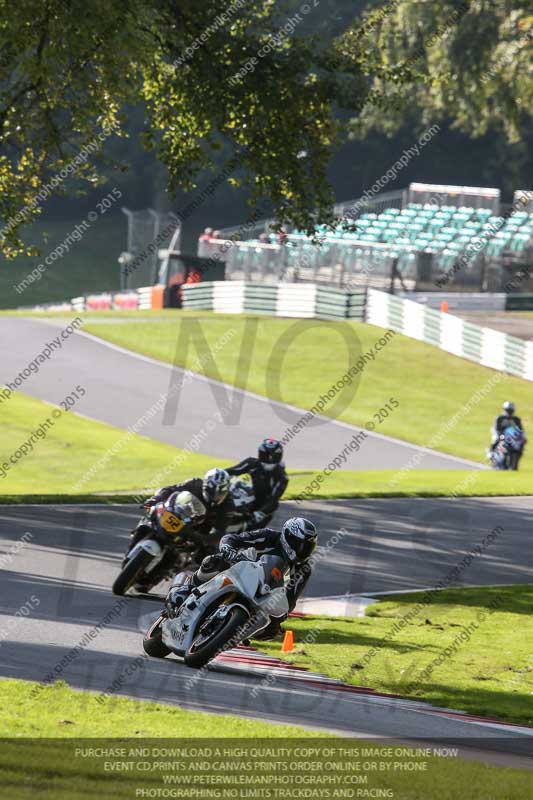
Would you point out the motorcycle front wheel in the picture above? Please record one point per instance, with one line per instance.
(153, 644)
(131, 572)
(203, 648)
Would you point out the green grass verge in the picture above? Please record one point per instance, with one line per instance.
(431, 386)
(79, 456)
(51, 769)
(83, 458)
(489, 672)
(414, 483)
(59, 710)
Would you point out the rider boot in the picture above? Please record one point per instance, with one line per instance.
(271, 630)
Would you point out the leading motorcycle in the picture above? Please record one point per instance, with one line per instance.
(221, 613)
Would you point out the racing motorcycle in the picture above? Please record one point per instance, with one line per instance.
(221, 613)
(168, 543)
(508, 450)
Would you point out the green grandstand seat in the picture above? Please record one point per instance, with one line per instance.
(460, 219)
(519, 243)
(407, 215)
(472, 225)
(449, 229)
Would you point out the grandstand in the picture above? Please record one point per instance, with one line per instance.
(424, 237)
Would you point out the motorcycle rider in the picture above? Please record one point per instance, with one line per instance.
(294, 543)
(211, 491)
(269, 478)
(503, 421)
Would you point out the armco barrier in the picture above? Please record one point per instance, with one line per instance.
(300, 300)
(452, 334)
(145, 298)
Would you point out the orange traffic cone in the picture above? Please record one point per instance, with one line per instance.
(444, 306)
(288, 642)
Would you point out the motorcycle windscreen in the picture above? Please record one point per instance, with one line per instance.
(274, 568)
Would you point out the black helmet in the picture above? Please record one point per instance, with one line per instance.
(508, 407)
(215, 486)
(298, 539)
(270, 452)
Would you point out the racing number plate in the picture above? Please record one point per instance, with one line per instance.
(170, 522)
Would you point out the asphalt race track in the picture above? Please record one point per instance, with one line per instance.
(72, 555)
(122, 386)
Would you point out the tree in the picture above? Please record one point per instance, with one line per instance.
(469, 61)
(213, 76)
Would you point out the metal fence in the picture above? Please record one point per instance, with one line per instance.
(148, 232)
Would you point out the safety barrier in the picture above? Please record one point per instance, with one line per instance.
(144, 298)
(452, 334)
(302, 300)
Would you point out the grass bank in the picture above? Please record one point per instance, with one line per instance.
(79, 458)
(445, 402)
(46, 756)
(468, 649)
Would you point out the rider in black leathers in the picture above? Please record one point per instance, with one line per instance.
(212, 491)
(503, 421)
(295, 544)
(269, 478)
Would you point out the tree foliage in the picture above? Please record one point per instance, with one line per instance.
(469, 61)
(70, 69)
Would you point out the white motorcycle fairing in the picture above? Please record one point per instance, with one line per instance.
(246, 580)
(152, 547)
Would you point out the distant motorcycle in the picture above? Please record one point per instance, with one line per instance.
(508, 450)
(167, 544)
(222, 612)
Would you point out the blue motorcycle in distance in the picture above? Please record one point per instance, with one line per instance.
(509, 449)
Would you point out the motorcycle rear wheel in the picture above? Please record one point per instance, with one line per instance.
(222, 639)
(130, 572)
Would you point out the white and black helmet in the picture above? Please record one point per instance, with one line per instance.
(215, 486)
(298, 539)
(509, 407)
